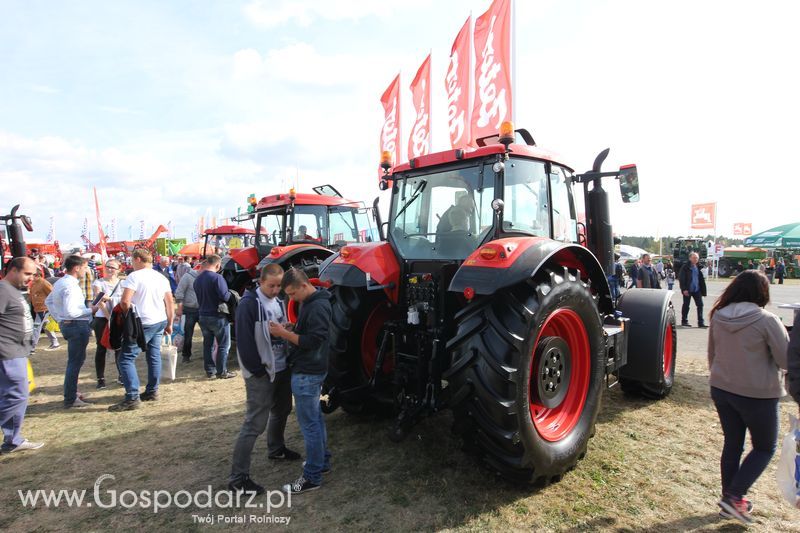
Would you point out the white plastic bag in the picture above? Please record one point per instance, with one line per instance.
(169, 355)
(788, 474)
(177, 333)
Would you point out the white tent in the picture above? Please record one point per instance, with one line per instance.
(630, 252)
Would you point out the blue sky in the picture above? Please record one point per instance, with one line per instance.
(179, 109)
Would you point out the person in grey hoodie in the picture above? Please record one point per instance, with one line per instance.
(189, 308)
(746, 354)
(267, 378)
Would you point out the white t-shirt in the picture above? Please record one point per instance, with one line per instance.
(149, 288)
(111, 290)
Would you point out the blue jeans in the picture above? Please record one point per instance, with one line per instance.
(737, 414)
(77, 334)
(127, 361)
(306, 389)
(13, 399)
(220, 329)
(188, 330)
(613, 284)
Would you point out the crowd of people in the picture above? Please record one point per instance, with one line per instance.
(129, 315)
(279, 361)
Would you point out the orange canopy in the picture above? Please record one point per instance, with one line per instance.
(193, 248)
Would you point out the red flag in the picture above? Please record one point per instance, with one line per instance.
(458, 84)
(101, 244)
(492, 70)
(704, 215)
(390, 133)
(419, 142)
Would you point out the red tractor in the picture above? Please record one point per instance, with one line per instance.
(298, 230)
(491, 298)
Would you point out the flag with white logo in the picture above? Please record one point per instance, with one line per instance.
(390, 133)
(493, 99)
(458, 84)
(419, 142)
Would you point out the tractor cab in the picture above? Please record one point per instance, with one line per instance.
(323, 219)
(297, 230)
(223, 240)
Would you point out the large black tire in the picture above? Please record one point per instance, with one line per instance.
(652, 342)
(498, 410)
(354, 326)
(725, 268)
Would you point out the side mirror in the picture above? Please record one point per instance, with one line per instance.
(629, 183)
(26, 221)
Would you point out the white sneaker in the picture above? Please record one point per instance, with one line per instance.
(52, 347)
(78, 403)
(25, 445)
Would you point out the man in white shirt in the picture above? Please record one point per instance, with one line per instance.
(66, 304)
(149, 293)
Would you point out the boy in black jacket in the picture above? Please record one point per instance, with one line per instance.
(308, 360)
(266, 377)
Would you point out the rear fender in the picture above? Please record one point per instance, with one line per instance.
(246, 258)
(520, 258)
(376, 259)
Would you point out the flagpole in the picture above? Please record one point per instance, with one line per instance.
(513, 60)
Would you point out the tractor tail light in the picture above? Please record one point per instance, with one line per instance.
(347, 252)
(488, 253)
(469, 293)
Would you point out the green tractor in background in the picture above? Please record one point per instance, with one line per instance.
(683, 246)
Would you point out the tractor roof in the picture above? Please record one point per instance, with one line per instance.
(229, 230)
(282, 200)
(451, 156)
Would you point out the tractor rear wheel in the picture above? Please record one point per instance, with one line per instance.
(356, 333)
(527, 376)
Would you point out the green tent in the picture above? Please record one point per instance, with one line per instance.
(786, 236)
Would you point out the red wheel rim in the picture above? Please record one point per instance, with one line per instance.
(553, 424)
(371, 340)
(668, 359)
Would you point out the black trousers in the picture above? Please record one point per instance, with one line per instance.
(698, 302)
(738, 415)
(100, 354)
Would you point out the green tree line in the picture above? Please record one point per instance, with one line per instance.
(651, 243)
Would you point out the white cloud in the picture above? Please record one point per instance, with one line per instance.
(247, 64)
(271, 13)
(44, 89)
(301, 63)
(119, 110)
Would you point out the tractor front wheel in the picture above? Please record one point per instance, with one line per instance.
(356, 332)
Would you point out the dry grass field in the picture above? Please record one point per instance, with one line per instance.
(650, 467)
